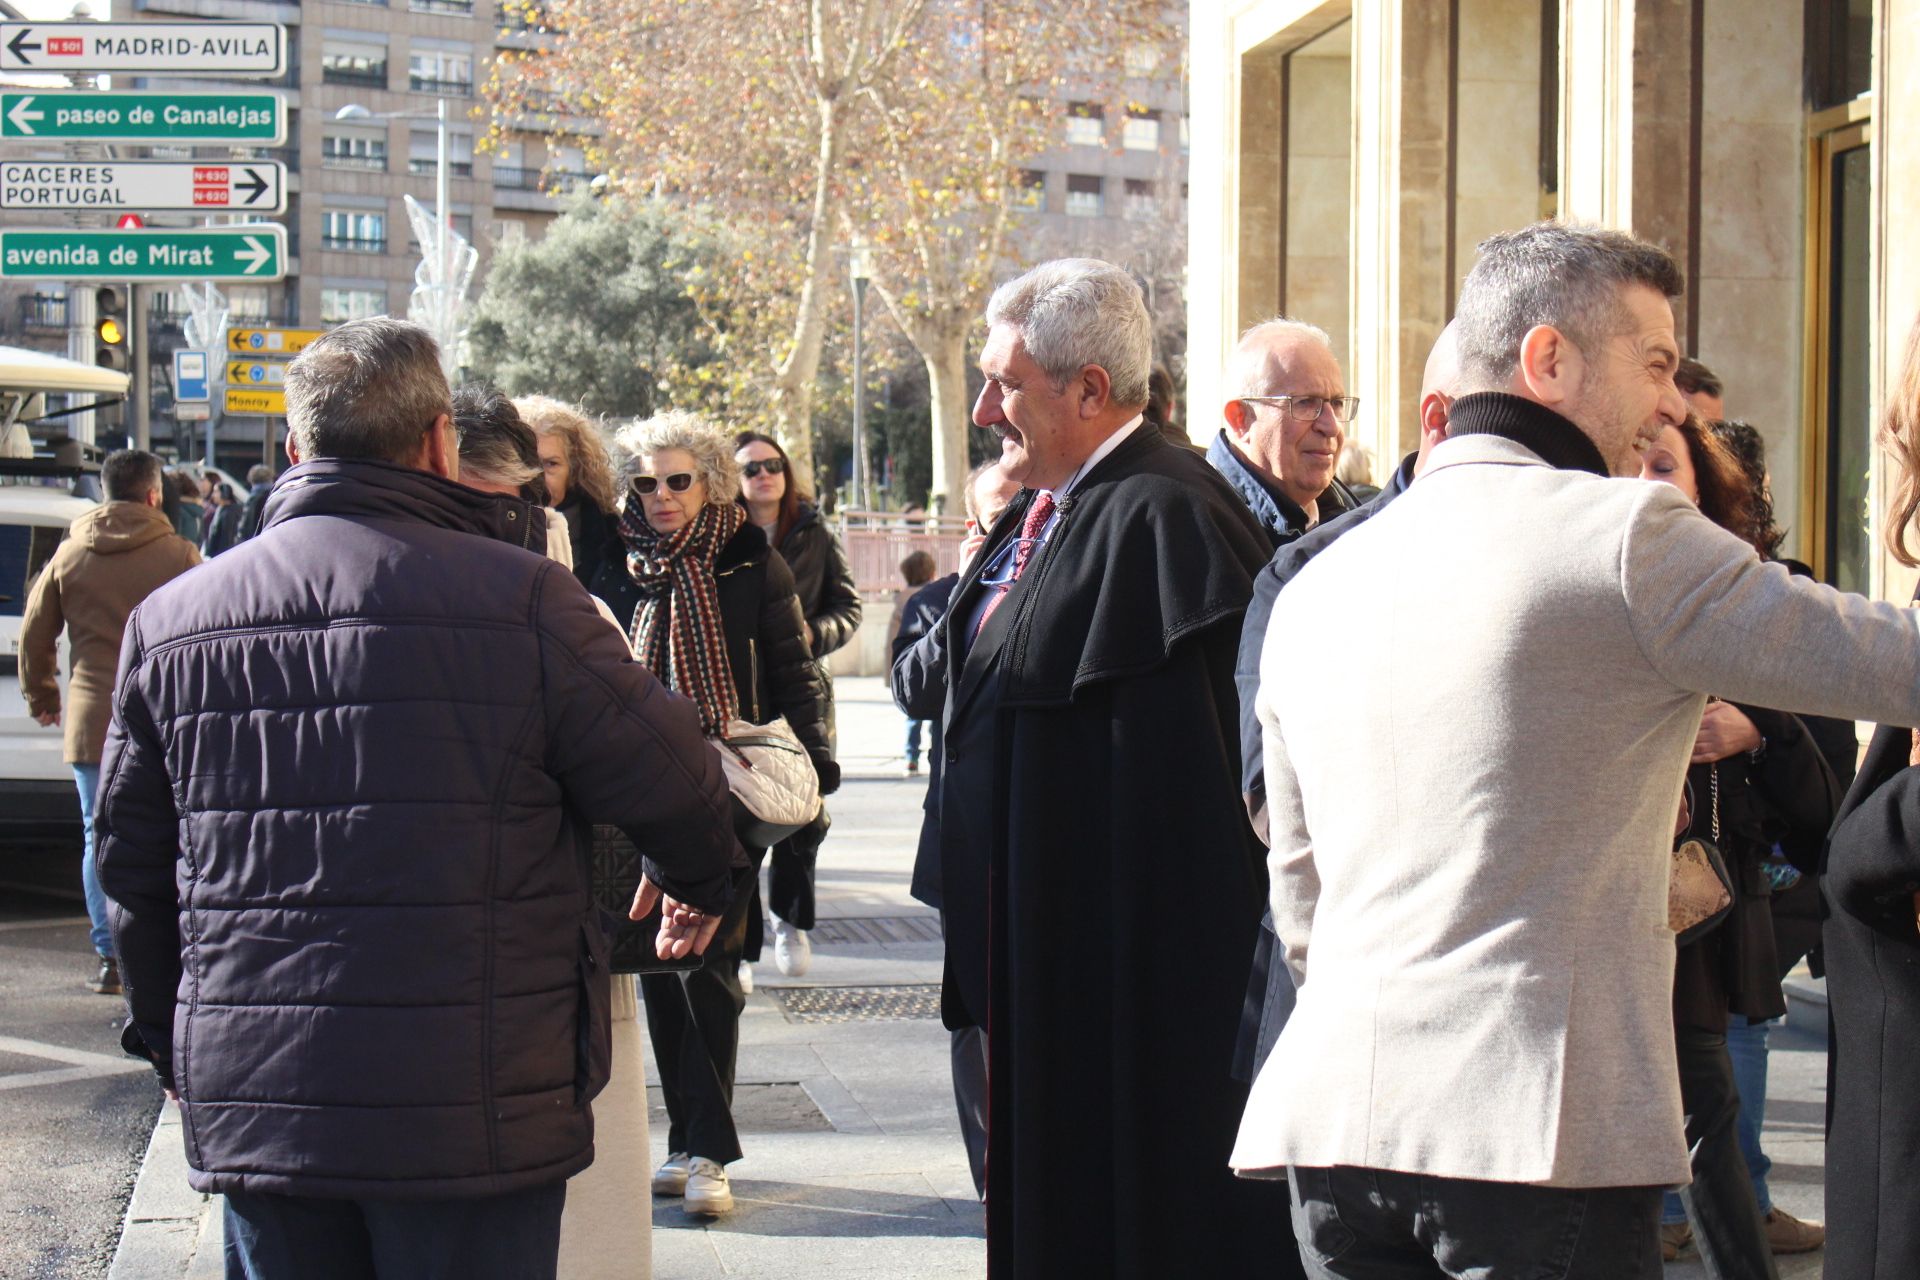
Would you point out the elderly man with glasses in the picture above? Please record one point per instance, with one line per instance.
(1286, 414)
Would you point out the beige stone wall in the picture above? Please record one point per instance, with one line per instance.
(1319, 187)
(1750, 292)
(1498, 142)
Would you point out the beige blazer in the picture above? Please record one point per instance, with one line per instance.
(1469, 852)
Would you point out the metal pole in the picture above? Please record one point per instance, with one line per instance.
(443, 212)
(859, 396)
(139, 425)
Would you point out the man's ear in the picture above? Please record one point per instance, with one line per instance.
(1550, 368)
(440, 449)
(1238, 419)
(1095, 388)
(1436, 407)
(293, 452)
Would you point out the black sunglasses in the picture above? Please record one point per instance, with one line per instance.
(679, 482)
(772, 466)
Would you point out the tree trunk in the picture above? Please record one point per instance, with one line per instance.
(943, 347)
(794, 376)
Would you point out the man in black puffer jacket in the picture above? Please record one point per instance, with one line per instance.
(344, 824)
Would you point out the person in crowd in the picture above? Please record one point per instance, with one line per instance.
(1701, 389)
(919, 691)
(1089, 767)
(579, 482)
(189, 516)
(223, 525)
(326, 801)
(715, 612)
(1286, 413)
(1355, 471)
(770, 493)
(1270, 992)
(1161, 410)
(253, 509)
(1757, 784)
(1483, 1031)
(916, 571)
(1871, 945)
(499, 454)
(169, 499)
(113, 557)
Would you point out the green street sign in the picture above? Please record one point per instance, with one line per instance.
(255, 252)
(257, 118)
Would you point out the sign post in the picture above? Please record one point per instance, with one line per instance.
(256, 252)
(153, 186)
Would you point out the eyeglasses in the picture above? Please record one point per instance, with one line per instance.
(678, 482)
(772, 466)
(1307, 408)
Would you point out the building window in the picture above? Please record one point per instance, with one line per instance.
(353, 151)
(1143, 60)
(337, 306)
(1141, 132)
(423, 151)
(249, 302)
(440, 71)
(461, 7)
(1030, 189)
(359, 232)
(1183, 135)
(1142, 202)
(344, 63)
(1084, 124)
(1083, 195)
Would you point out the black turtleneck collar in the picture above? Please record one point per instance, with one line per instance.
(1531, 425)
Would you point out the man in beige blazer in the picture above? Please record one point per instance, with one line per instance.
(1469, 852)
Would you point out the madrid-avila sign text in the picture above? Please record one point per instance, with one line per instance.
(156, 48)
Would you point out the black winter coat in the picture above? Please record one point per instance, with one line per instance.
(920, 691)
(1788, 799)
(593, 534)
(344, 828)
(774, 673)
(222, 530)
(824, 580)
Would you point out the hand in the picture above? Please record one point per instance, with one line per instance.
(47, 718)
(1913, 752)
(1724, 731)
(969, 548)
(684, 930)
(1684, 819)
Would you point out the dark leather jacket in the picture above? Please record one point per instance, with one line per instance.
(823, 579)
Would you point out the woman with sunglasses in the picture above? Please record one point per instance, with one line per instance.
(712, 611)
(770, 492)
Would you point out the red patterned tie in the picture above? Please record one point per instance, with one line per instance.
(1037, 517)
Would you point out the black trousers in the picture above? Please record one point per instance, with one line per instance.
(693, 1019)
(1373, 1224)
(1720, 1204)
(507, 1237)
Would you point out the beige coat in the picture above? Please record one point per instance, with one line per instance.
(113, 558)
(1469, 848)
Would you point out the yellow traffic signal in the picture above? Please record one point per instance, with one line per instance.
(110, 327)
(111, 333)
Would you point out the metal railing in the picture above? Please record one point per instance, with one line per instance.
(459, 7)
(354, 75)
(451, 88)
(345, 160)
(877, 541)
(43, 311)
(355, 244)
(421, 167)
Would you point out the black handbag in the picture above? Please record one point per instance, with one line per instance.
(616, 871)
(1699, 890)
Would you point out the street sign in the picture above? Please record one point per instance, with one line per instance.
(254, 252)
(254, 186)
(130, 222)
(256, 373)
(243, 400)
(187, 411)
(273, 342)
(256, 118)
(190, 376)
(152, 48)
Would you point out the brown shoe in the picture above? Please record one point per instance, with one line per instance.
(1787, 1234)
(1673, 1239)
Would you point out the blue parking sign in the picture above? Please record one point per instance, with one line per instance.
(190, 377)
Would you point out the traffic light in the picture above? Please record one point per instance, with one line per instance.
(110, 327)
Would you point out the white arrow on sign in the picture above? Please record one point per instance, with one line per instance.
(256, 255)
(155, 186)
(22, 118)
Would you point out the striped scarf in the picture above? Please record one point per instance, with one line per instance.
(677, 632)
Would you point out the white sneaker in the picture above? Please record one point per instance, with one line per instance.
(792, 951)
(670, 1179)
(746, 978)
(708, 1190)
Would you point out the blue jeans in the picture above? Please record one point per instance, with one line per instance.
(508, 1237)
(86, 777)
(1372, 1224)
(1747, 1046)
(913, 740)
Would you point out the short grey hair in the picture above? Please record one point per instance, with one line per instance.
(1247, 367)
(368, 389)
(496, 444)
(711, 446)
(1562, 274)
(1073, 312)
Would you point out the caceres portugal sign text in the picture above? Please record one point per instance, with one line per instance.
(254, 252)
(253, 186)
(256, 118)
(156, 48)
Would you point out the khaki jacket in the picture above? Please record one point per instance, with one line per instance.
(1470, 848)
(113, 558)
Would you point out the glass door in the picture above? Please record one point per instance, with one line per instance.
(1840, 311)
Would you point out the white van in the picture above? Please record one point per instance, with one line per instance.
(37, 504)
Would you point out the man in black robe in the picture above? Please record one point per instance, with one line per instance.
(1102, 885)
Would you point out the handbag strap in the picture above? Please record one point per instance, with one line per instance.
(1713, 781)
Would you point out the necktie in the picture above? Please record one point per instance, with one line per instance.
(1037, 517)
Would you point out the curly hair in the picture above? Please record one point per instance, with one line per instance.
(1725, 497)
(1900, 437)
(710, 446)
(1743, 440)
(589, 469)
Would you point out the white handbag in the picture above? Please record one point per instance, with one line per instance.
(776, 791)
